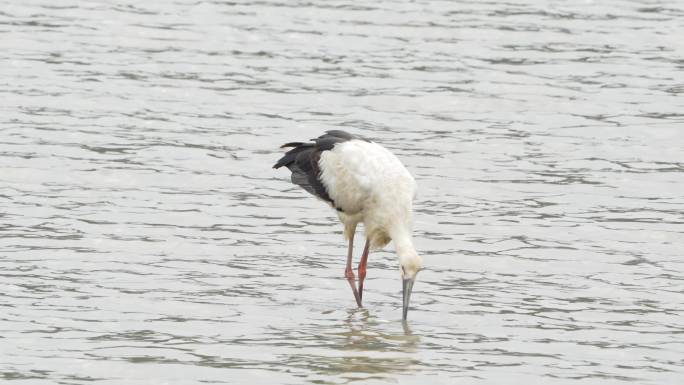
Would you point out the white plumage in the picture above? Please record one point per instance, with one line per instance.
(367, 184)
(373, 187)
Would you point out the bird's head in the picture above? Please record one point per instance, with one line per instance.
(409, 262)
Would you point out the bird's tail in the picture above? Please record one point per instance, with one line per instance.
(294, 144)
(291, 155)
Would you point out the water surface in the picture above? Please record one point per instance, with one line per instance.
(145, 239)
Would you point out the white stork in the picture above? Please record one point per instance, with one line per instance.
(365, 183)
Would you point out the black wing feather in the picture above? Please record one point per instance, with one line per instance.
(302, 160)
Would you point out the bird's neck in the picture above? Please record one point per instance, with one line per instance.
(402, 242)
(409, 260)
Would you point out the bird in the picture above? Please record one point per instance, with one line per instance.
(364, 183)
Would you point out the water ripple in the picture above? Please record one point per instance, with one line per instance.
(144, 236)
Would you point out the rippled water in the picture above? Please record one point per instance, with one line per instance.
(145, 239)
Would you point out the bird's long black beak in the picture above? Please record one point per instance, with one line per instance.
(407, 287)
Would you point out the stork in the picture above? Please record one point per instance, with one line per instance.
(365, 183)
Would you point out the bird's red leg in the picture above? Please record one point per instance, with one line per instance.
(362, 269)
(349, 273)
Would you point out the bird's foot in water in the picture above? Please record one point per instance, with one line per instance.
(349, 274)
(362, 277)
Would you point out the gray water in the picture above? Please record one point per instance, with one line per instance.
(145, 239)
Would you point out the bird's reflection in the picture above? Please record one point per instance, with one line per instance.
(363, 331)
(407, 328)
(361, 346)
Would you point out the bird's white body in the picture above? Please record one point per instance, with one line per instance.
(371, 186)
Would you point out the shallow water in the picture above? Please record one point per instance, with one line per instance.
(145, 239)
